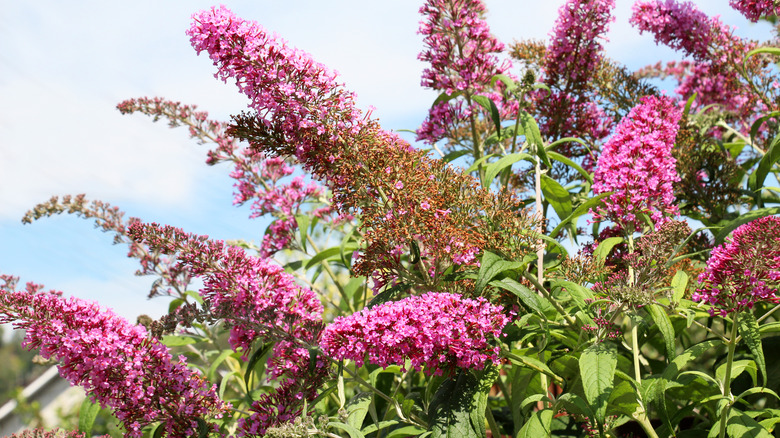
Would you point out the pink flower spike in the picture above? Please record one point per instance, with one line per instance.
(636, 164)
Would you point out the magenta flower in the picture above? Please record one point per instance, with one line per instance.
(462, 56)
(571, 62)
(261, 303)
(437, 331)
(744, 270)
(636, 163)
(114, 361)
(755, 9)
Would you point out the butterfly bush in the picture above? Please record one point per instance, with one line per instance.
(461, 52)
(636, 163)
(114, 361)
(436, 332)
(744, 270)
(402, 195)
(570, 64)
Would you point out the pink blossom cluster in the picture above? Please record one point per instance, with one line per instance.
(713, 46)
(261, 303)
(292, 94)
(461, 52)
(437, 331)
(755, 9)
(744, 270)
(679, 25)
(572, 59)
(575, 52)
(116, 363)
(636, 164)
(459, 46)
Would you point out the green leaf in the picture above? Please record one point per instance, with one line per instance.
(757, 124)
(557, 196)
(579, 211)
(407, 431)
(87, 415)
(444, 97)
(478, 163)
(212, 371)
(491, 108)
(526, 296)
(679, 285)
(253, 360)
(623, 400)
(664, 325)
(656, 389)
(565, 160)
(303, 222)
(605, 247)
(740, 425)
(177, 341)
(538, 425)
(743, 219)
(351, 430)
(454, 155)
(458, 407)
(492, 265)
(577, 292)
(534, 137)
(357, 408)
(775, 51)
(772, 155)
(689, 104)
(329, 253)
(597, 369)
(749, 330)
(494, 169)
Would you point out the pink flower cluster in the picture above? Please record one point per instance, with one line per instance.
(755, 9)
(744, 270)
(571, 62)
(261, 303)
(461, 52)
(712, 44)
(292, 94)
(636, 163)
(115, 361)
(679, 25)
(438, 331)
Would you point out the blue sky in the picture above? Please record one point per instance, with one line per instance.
(65, 65)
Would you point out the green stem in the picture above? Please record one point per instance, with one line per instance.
(727, 378)
(553, 301)
(635, 351)
(644, 422)
(492, 423)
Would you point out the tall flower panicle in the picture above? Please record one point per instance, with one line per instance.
(116, 363)
(744, 270)
(712, 45)
(462, 56)
(405, 198)
(755, 9)
(437, 331)
(636, 163)
(260, 302)
(570, 64)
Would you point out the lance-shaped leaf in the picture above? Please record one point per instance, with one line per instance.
(597, 370)
(458, 407)
(748, 329)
